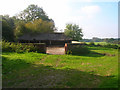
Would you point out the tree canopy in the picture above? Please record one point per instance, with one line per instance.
(73, 31)
(40, 26)
(37, 26)
(33, 12)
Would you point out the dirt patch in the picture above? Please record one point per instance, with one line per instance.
(56, 50)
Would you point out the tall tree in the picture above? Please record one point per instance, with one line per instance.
(7, 32)
(7, 28)
(73, 31)
(33, 12)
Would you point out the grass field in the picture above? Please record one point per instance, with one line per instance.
(94, 70)
(101, 43)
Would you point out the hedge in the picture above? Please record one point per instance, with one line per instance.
(23, 47)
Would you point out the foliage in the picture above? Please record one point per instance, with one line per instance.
(20, 47)
(69, 52)
(7, 28)
(77, 49)
(73, 31)
(37, 26)
(111, 46)
(40, 26)
(96, 39)
(91, 44)
(33, 12)
(107, 40)
(20, 29)
(99, 44)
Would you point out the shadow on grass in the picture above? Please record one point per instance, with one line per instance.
(98, 48)
(89, 54)
(41, 76)
(13, 64)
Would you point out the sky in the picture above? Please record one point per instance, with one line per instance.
(97, 18)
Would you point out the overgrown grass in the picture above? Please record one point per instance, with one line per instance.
(94, 70)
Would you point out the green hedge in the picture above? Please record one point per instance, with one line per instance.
(77, 49)
(111, 46)
(23, 47)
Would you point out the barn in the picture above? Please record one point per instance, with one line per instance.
(51, 39)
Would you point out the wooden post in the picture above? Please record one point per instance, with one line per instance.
(66, 48)
(50, 42)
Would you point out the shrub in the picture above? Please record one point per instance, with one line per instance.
(98, 44)
(111, 46)
(81, 50)
(91, 44)
(69, 52)
(77, 49)
(23, 47)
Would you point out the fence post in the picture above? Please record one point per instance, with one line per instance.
(66, 48)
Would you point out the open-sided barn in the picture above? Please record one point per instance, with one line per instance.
(48, 38)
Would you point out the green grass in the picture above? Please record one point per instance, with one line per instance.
(101, 43)
(93, 70)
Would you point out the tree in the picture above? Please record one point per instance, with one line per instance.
(7, 32)
(73, 31)
(7, 28)
(37, 26)
(33, 12)
(20, 29)
(40, 26)
(96, 39)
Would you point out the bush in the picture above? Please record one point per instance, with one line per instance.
(91, 44)
(98, 45)
(23, 47)
(81, 50)
(77, 49)
(111, 46)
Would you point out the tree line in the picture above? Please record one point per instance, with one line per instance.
(108, 40)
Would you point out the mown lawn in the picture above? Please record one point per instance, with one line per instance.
(98, 69)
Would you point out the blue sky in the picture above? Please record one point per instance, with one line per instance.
(97, 18)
